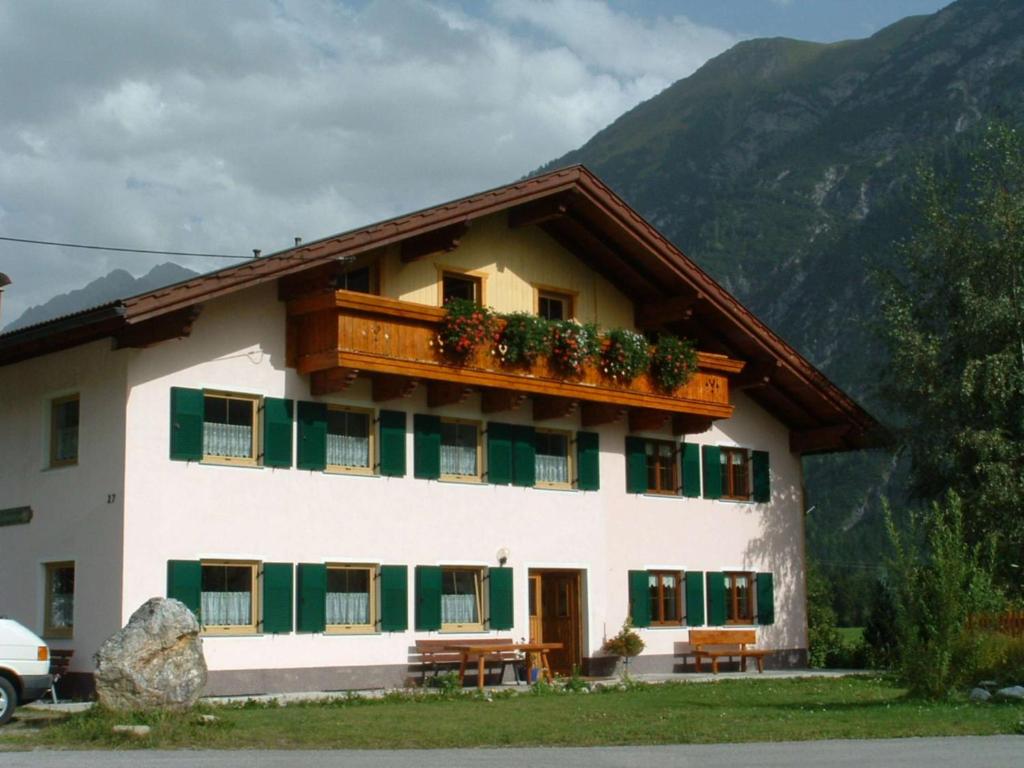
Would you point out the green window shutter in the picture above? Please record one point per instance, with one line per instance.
(312, 453)
(694, 599)
(311, 597)
(187, 406)
(428, 597)
(499, 598)
(277, 433)
(524, 456)
(392, 443)
(394, 598)
(712, 471)
(184, 582)
(588, 459)
(636, 465)
(426, 446)
(765, 598)
(691, 470)
(639, 599)
(762, 483)
(277, 598)
(716, 598)
(499, 453)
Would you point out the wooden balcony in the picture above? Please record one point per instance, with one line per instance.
(336, 336)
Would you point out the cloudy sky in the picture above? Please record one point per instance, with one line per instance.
(195, 125)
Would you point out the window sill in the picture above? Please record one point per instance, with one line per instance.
(460, 480)
(350, 631)
(57, 635)
(555, 487)
(59, 467)
(236, 464)
(350, 471)
(468, 629)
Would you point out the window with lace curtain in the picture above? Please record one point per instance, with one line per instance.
(552, 459)
(228, 597)
(350, 598)
(59, 619)
(461, 606)
(460, 450)
(230, 433)
(349, 440)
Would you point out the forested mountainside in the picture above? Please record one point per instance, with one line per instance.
(786, 169)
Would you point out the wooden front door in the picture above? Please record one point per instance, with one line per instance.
(555, 616)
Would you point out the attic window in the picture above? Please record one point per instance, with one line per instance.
(553, 305)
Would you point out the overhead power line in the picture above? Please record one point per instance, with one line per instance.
(123, 250)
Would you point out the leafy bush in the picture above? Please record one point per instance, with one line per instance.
(673, 362)
(999, 657)
(940, 580)
(626, 355)
(466, 326)
(524, 338)
(822, 636)
(573, 345)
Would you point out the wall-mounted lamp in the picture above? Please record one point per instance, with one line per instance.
(503, 554)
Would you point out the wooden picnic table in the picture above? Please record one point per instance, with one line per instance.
(482, 652)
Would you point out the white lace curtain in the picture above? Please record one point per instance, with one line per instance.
(227, 608)
(458, 460)
(348, 451)
(552, 469)
(348, 608)
(233, 440)
(62, 610)
(459, 609)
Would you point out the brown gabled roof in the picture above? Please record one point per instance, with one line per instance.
(585, 216)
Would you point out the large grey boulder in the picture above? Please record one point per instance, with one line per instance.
(155, 661)
(1015, 692)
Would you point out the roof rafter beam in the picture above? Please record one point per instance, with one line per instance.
(443, 239)
(820, 438)
(653, 315)
(539, 211)
(596, 414)
(174, 325)
(386, 387)
(497, 400)
(331, 380)
(548, 407)
(441, 393)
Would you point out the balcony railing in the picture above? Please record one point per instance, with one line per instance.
(346, 333)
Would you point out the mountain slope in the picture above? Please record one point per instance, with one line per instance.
(785, 168)
(114, 285)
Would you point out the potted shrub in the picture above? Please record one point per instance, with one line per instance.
(466, 326)
(673, 362)
(626, 644)
(573, 345)
(524, 338)
(626, 355)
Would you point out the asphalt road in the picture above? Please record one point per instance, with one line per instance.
(964, 752)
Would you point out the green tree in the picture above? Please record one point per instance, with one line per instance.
(823, 638)
(954, 325)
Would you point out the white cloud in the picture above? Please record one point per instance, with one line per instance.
(200, 126)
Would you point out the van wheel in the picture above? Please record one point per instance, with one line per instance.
(8, 700)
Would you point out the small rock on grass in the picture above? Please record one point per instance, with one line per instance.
(1015, 692)
(206, 719)
(980, 694)
(132, 730)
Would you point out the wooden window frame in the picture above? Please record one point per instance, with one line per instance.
(732, 599)
(256, 604)
(257, 431)
(478, 477)
(569, 463)
(570, 298)
(343, 469)
(479, 574)
(373, 571)
(49, 630)
(55, 404)
(673, 465)
(480, 278)
(372, 264)
(729, 490)
(659, 620)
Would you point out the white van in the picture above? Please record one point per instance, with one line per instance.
(24, 667)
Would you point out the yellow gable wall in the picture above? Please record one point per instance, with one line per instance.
(512, 262)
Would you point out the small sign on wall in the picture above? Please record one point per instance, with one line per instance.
(15, 516)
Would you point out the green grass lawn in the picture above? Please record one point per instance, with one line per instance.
(851, 636)
(723, 711)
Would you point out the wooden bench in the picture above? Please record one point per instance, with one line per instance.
(60, 660)
(730, 643)
(434, 654)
